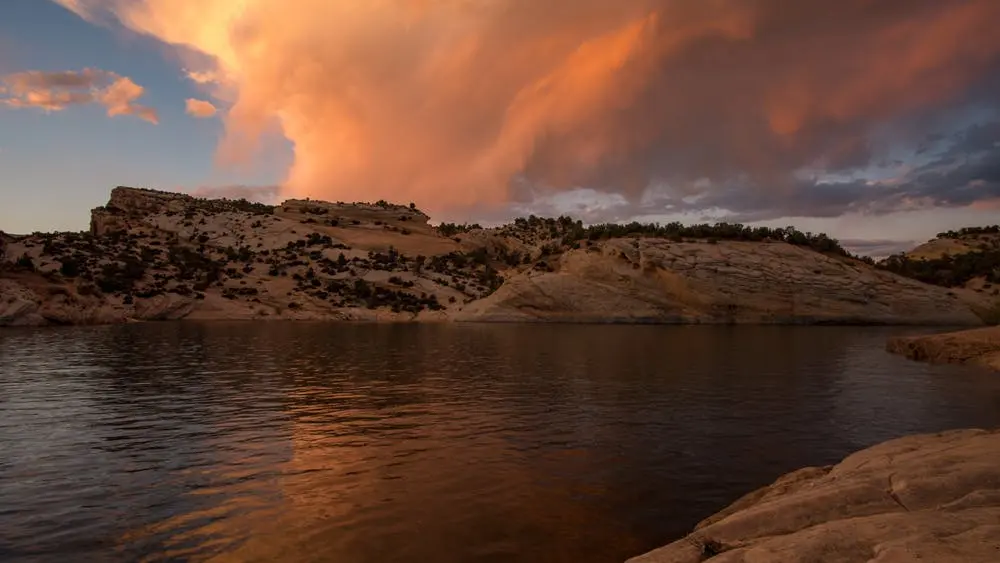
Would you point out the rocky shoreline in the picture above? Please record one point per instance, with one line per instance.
(933, 497)
(976, 347)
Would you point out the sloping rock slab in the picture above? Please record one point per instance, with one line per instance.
(929, 498)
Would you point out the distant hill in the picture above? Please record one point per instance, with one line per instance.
(153, 255)
(952, 243)
(968, 259)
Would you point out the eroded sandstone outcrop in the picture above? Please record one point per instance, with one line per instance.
(158, 256)
(654, 280)
(932, 498)
(127, 207)
(977, 347)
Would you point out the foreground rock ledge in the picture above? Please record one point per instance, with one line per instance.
(932, 498)
(978, 347)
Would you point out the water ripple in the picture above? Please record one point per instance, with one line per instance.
(318, 442)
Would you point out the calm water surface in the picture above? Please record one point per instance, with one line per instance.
(350, 443)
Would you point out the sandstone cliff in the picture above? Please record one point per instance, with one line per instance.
(921, 498)
(157, 256)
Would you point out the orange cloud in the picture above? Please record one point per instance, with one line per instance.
(55, 91)
(200, 108)
(455, 102)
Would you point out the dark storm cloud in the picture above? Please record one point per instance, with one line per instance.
(977, 179)
(984, 137)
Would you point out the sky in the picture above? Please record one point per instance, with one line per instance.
(876, 121)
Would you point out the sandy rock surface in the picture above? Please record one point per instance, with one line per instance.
(728, 282)
(977, 346)
(929, 498)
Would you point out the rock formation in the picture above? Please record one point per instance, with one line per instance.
(654, 280)
(954, 243)
(978, 347)
(921, 498)
(128, 207)
(156, 256)
(966, 261)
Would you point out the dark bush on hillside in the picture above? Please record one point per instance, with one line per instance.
(718, 232)
(479, 256)
(316, 239)
(490, 279)
(948, 270)
(970, 231)
(234, 292)
(121, 276)
(25, 263)
(149, 254)
(451, 229)
(148, 292)
(52, 247)
(70, 267)
(191, 264)
(443, 263)
(245, 206)
(362, 289)
(570, 232)
(396, 280)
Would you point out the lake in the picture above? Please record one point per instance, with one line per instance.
(444, 443)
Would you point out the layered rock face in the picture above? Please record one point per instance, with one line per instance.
(156, 255)
(653, 280)
(933, 498)
(129, 206)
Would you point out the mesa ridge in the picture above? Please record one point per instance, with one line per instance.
(153, 255)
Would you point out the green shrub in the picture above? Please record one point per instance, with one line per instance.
(948, 270)
(970, 231)
(449, 229)
(70, 268)
(25, 263)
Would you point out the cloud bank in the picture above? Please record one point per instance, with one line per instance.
(55, 91)
(761, 108)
